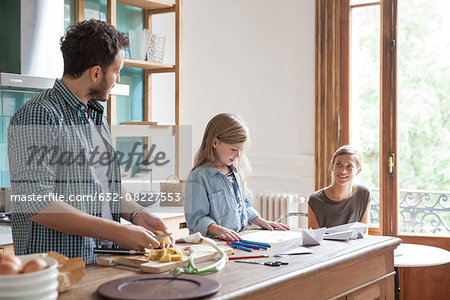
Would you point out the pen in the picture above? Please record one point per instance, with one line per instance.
(247, 245)
(241, 247)
(245, 257)
(255, 243)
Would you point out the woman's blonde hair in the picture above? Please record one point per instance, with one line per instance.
(229, 129)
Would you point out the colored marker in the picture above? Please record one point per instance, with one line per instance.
(255, 243)
(245, 257)
(241, 247)
(248, 245)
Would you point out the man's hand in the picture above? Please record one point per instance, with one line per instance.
(135, 238)
(150, 222)
(224, 233)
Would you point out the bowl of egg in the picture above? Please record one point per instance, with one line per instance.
(28, 277)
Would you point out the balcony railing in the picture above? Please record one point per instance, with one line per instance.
(420, 212)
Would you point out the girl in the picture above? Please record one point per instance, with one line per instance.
(216, 201)
(341, 202)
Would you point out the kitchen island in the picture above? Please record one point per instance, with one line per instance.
(358, 269)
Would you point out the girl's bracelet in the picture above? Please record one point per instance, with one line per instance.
(134, 213)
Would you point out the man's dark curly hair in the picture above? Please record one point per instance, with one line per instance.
(90, 43)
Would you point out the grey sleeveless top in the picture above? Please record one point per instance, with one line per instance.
(331, 213)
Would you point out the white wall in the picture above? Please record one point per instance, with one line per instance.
(254, 58)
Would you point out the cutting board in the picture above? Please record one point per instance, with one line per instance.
(202, 253)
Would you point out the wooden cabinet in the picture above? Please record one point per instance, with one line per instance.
(372, 292)
(151, 8)
(177, 225)
(380, 289)
(7, 249)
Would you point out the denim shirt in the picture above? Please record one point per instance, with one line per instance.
(210, 199)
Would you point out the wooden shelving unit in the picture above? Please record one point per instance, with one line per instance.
(146, 4)
(147, 65)
(151, 7)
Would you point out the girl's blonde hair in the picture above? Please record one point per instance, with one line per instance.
(346, 149)
(229, 129)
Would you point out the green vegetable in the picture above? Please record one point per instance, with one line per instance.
(215, 267)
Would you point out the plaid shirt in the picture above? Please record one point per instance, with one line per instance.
(57, 118)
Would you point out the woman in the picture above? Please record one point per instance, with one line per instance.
(342, 201)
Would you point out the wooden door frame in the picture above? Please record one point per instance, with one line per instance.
(332, 89)
(388, 133)
(331, 84)
(324, 150)
(332, 117)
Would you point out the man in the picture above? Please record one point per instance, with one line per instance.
(65, 177)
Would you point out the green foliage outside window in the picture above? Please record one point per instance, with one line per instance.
(423, 109)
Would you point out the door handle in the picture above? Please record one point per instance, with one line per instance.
(391, 163)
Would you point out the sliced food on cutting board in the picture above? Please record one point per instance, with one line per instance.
(202, 253)
(164, 254)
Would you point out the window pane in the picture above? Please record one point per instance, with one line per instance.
(365, 97)
(69, 13)
(424, 117)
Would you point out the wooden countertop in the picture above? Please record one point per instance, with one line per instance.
(362, 261)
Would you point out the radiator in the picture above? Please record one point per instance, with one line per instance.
(272, 205)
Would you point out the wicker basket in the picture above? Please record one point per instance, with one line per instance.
(172, 192)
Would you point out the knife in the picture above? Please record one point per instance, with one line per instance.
(160, 236)
(117, 251)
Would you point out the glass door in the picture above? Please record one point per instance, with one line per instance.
(400, 114)
(423, 114)
(365, 95)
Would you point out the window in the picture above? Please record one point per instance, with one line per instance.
(365, 96)
(423, 77)
(382, 76)
(421, 118)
